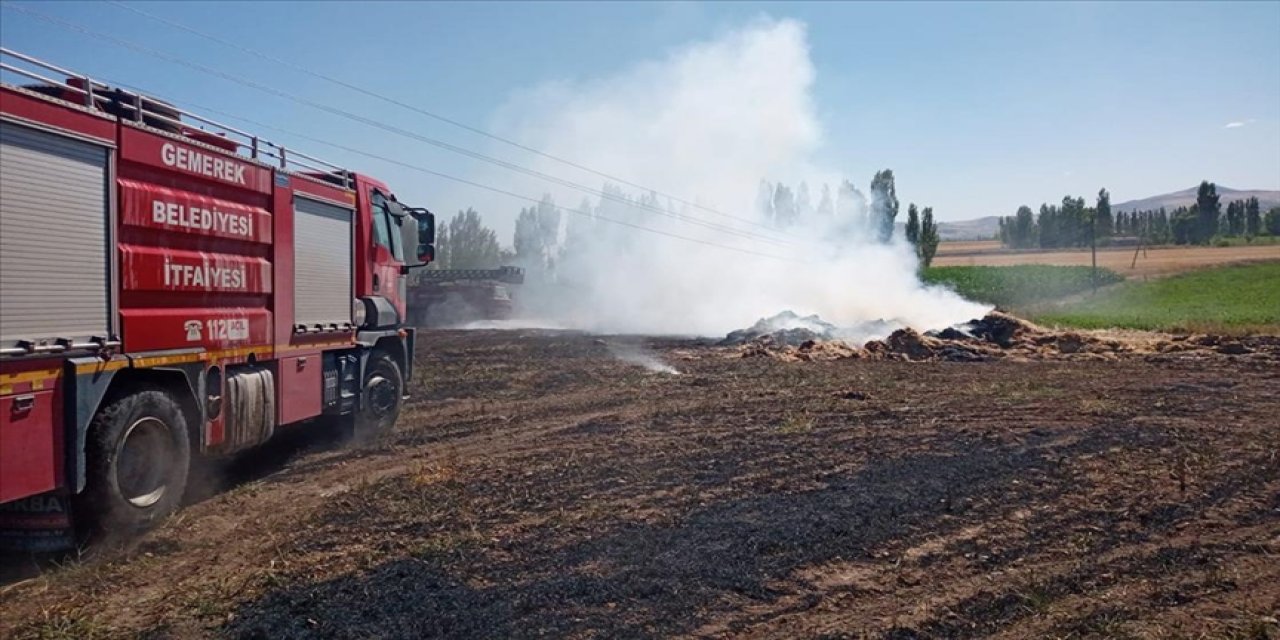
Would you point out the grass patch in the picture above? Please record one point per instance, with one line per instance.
(796, 423)
(1238, 241)
(1018, 285)
(446, 544)
(1230, 299)
(62, 626)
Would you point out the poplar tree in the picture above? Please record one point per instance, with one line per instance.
(884, 205)
(1103, 223)
(1252, 218)
(928, 237)
(913, 225)
(1207, 211)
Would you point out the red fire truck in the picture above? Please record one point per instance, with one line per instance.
(173, 287)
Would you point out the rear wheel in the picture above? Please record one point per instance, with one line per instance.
(382, 394)
(137, 458)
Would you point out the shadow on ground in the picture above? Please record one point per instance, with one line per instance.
(209, 477)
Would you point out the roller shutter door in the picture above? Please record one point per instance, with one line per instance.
(53, 236)
(321, 262)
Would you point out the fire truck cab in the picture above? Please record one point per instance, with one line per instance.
(171, 286)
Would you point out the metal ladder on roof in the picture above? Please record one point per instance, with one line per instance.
(134, 106)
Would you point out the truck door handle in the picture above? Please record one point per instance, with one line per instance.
(302, 362)
(23, 404)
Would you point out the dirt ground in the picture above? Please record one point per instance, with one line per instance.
(1158, 261)
(538, 486)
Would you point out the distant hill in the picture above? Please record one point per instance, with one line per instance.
(984, 228)
(987, 227)
(977, 229)
(1187, 197)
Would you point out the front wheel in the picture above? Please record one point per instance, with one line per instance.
(137, 458)
(382, 394)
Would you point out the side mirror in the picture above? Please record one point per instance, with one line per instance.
(426, 227)
(395, 208)
(426, 253)
(426, 235)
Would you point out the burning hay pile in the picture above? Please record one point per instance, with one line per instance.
(994, 336)
(790, 329)
(785, 329)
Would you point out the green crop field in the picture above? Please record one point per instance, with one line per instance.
(1230, 299)
(1238, 241)
(1014, 286)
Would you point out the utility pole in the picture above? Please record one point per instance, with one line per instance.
(1142, 244)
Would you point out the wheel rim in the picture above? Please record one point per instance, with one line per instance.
(143, 462)
(383, 395)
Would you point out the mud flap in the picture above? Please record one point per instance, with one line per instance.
(37, 524)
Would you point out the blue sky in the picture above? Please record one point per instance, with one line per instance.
(977, 107)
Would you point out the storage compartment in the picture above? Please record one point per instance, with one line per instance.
(301, 388)
(322, 279)
(53, 237)
(28, 445)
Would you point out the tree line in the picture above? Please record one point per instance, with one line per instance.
(1072, 224)
(851, 213)
(544, 239)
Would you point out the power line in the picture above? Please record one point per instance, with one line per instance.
(424, 112)
(604, 195)
(486, 187)
(465, 181)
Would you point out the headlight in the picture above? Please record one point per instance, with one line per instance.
(358, 312)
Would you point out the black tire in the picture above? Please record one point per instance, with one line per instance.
(137, 458)
(381, 397)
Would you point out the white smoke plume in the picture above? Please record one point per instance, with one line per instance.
(707, 122)
(634, 354)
